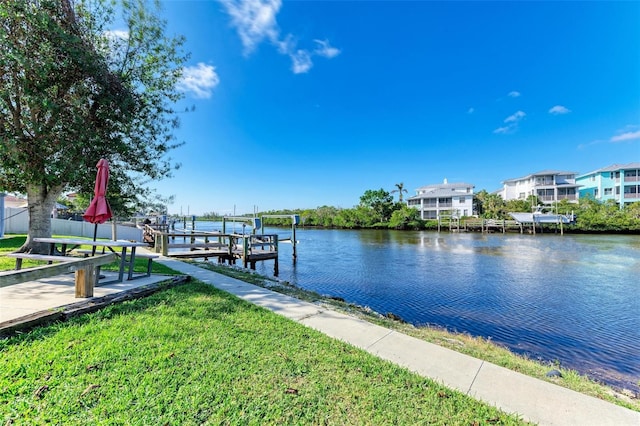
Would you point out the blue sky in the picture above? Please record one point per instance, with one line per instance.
(300, 104)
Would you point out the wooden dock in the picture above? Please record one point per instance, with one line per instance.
(230, 248)
(485, 225)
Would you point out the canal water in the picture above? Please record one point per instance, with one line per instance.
(572, 299)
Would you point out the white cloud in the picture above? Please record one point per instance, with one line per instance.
(515, 117)
(512, 123)
(199, 80)
(301, 62)
(255, 21)
(117, 34)
(559, 109)
(513, 94)
(628, 136)
(325, 49)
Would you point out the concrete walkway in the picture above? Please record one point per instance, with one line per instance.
(20, 300)
(534, 400)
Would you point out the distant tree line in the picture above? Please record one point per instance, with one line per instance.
(378, 210)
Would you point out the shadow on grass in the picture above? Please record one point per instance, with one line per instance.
(11, 243)
(193, 300)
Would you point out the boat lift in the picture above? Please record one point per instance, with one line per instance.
(295, 220)
(259, 223)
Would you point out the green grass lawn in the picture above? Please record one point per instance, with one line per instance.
(196, 355)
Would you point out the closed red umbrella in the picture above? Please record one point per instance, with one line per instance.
(99, 210)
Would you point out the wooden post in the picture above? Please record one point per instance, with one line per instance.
(85, 281)
(165, 244)
(561, 230)
(293, 241)
(245, 251)
(275, 265)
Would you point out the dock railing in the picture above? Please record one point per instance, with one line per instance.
(250, 248)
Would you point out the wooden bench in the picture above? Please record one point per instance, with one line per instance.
(148, 256)
(42, 257)
(86, 271)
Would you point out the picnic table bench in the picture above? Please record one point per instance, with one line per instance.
(86, 270)
(124, 250)
(43, 257)
(147, 256)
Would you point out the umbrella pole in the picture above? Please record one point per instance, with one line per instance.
(95, 233)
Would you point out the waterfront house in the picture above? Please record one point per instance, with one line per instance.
(455, 199)
(618, 182)
(549, 186)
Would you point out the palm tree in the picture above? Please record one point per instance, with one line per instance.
(400, 190)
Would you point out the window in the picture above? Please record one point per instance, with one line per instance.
(595, 193)
(462, 200)
(608, 191)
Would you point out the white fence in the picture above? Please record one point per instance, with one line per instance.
(16, 221)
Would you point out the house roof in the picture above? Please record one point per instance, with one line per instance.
(440, 192)
(446, 186)
(13, 201)
(614, 168)
(541, 173)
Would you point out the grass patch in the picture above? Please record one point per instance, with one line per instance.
(196, 355)
(477, 347)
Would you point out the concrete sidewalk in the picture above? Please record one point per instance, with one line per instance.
(535, 400)
(29, 298)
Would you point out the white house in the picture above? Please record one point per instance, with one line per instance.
(445, 198)
(548, 185)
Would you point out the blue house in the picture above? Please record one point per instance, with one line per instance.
(618, 182)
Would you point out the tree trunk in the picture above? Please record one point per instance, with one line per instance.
(41, 202)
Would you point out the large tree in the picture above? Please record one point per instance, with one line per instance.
(380, 202)
(72, 92)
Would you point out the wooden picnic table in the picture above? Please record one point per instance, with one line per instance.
(119, 247)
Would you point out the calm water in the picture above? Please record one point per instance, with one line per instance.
(573, 299)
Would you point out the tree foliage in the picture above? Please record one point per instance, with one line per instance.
(399, 189)
(380, 202)
(73, 92)
(592, 216)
